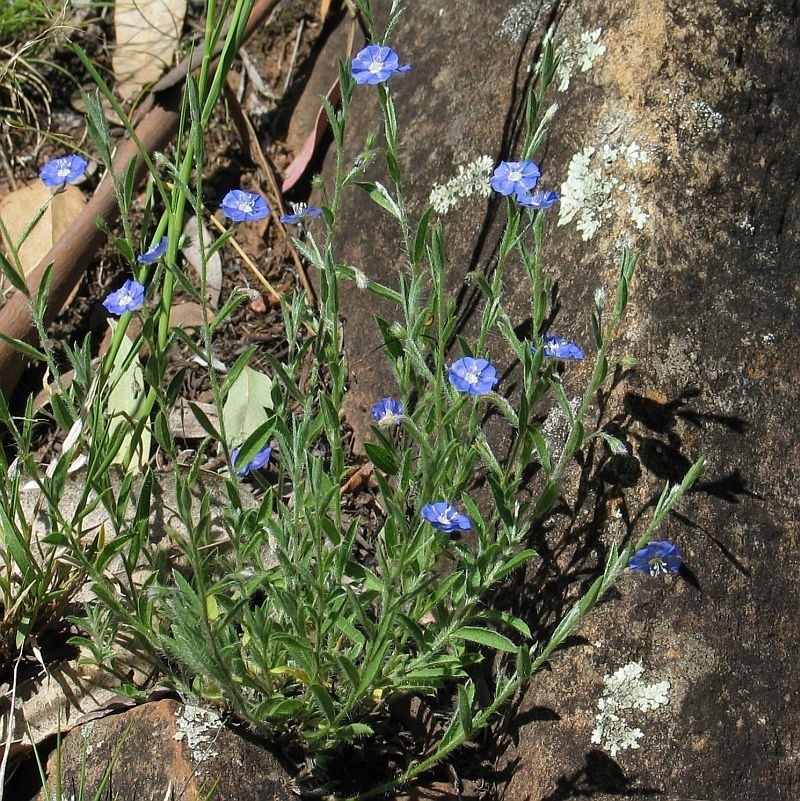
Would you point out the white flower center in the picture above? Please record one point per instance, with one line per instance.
(657, 566)
(246, 206)
(376, 66)
(444, 517)
(471, 376)
(63, 170)
(515, 175)
(125, 298)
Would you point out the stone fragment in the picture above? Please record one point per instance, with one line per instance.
(167, 750)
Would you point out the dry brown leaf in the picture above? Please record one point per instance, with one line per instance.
(294, 172)
(357, 479)
(19, 208)
(191, 252)
(184, 424)
(52, 704)
(188, 315)
(147, 35)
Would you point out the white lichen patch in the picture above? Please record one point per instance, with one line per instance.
(557, 426)
(517, 21)
(580, 55)
(199, 727)
(471, 179)
(705, 117)
(594, 193)
(625, 690)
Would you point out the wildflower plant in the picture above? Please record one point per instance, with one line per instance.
(278, 622)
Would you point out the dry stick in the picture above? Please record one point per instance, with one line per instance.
(75, 249)
(249, 138)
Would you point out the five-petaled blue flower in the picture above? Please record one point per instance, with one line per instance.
(659, 556)
(537, 200)
(256, 463)
(301, 212)
(387, 412)
(129, 297)
(515, 177)
(445, 517)
(154, 252)
(376, 64)
(557, 348)
(241, 206)
(476, 376)
(63, 170)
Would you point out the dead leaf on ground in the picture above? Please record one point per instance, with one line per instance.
(247, 405)
(52, 704)
(188, 315)
(147, 35)
(213, 266)
(309, 121)
(324, 8)
(357, 479)
(294, 172)
(183, 423)
(19, 208)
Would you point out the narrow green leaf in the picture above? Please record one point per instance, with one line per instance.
(381, 458)
(205, 423)
(324, 701)
(16, 279)
(24, 348)
(380, 195)
(523, 663)
(421, 236)
(464, 709)
(353, 731)
(516, 561)
(311, 252)
(491, 639)
(349, 669)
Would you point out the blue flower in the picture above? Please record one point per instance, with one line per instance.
(154, 252)
(657, 557)
(387, 412)
(301, 212)
(376, 64)
(241, 206)
(63, 170)
(256, 463)
(537, 200)
(129, 297)
(557, 348)
(476, 376)
(515, 177)
(445, 517)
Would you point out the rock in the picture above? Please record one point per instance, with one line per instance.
(167, 750)
(676, 134)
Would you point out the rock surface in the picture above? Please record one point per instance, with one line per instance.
(167, 750)
(676, 134)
